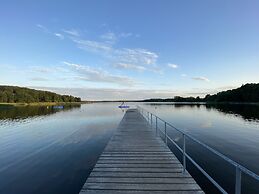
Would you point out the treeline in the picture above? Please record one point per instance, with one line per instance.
(14, 94)
(175, 99)
(245, 93)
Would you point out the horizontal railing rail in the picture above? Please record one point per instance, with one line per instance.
(239, 168)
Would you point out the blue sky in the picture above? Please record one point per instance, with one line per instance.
(129, 49)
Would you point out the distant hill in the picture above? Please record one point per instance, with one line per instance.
(15, 94)
(246, 93)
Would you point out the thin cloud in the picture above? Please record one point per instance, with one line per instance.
(46, 30)
(136, 57)
(60, 36)
(43, 28)
(109, 37)
(92, 45)
(171, 65)
(40, 79)
(72, 32)
(183, 75)
(90, 74)
(40, 69)
(201, 79)
(125, 35)
(129, 66)
(111, 93)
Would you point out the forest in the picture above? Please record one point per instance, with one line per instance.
(248, 93)
(15, 94)
(245, 93)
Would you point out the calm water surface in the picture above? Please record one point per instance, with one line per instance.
(48, 151)
(230, 129)
(44, 150)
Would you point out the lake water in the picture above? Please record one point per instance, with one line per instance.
(45, 150)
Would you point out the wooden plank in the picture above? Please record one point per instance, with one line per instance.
(138, 158)
(139, 180)
(93, 191)
(138, 174)
(127, 165)
(139, 161)
(147, 187)
(120, 169)
(136, 161)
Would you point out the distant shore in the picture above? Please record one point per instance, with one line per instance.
(42, 103)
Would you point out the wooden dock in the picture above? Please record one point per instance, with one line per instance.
(137, 161)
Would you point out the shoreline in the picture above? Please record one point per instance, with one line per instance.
(41, 103)
(90, 102)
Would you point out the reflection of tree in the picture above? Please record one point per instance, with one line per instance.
(177, 104)
(23, 112)
(246, 111)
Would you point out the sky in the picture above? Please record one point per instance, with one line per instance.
(130, 49)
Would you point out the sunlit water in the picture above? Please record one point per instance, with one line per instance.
(43, 150)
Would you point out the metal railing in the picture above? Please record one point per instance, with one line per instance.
(239, 168)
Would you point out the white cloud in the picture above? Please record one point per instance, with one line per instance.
(125, 35)
(39, 79)
(183, 75)
(89, 93)
(111, 93)
(92, 45)
(43, 28)
(72, 32)
(109, 37)
(90, 74)
(46, 30)
(60, 36)
(129, 66)
(201, 79)
(174, 66)
(40, 69)
(136, 56)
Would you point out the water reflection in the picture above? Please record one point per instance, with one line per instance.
(249, 112)
(53, 154)
(45, 150)
(25, 112)
(231, 129)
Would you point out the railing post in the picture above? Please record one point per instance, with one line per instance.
(156, 126)
(151, 120)
(165, 135)
(238, 181)
(184, 157)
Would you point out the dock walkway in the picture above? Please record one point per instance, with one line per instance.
(137, 161)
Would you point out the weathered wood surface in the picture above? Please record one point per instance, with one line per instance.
(136, 161)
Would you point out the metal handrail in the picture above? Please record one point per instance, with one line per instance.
(239, 167)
